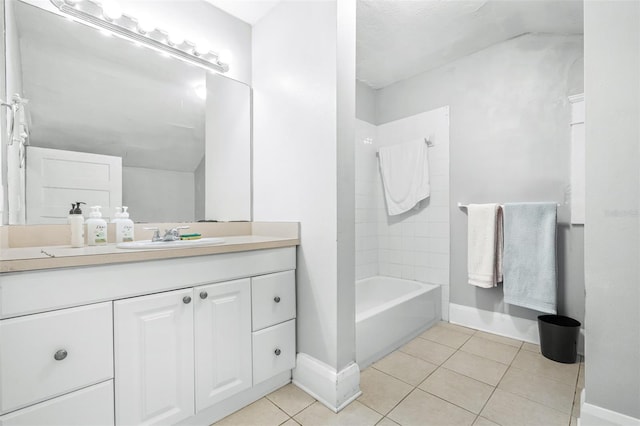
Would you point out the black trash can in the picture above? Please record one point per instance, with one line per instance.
(559, 337)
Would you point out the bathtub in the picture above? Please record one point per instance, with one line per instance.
(390, 312)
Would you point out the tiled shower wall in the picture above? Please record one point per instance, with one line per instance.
(415, 244)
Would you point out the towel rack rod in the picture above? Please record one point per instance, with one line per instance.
(426, 140)
(464, 206)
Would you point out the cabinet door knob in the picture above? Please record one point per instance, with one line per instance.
(277, 352)
(186, 299)
(60, 355)
(276, 299)
(203, 295)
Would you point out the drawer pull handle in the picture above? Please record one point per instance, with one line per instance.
(203, 295)
(186, 299)
(60, 355)
(276, 299)
(277, 352)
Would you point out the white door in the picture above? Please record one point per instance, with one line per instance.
(56, 178)
(153, 346)
(223, 341)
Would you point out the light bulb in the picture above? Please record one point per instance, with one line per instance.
(201, 49)
(145, 26)
(175, 39)
(201, 91)
(111, 10)
(224, 56)
(71, 2)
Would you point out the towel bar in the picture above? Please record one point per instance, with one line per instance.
(426, 140)
(464, 206)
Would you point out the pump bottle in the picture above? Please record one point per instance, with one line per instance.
(124, 225)
(96, 228)
(76, 222)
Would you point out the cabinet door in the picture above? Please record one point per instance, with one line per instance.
(223, 341)
(154, 358)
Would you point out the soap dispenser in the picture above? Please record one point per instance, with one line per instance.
(124, 226)
(96, 227)
(76, 222)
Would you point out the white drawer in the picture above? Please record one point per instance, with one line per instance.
(86, 407)
(273, 299)
(274, 350)
(29, 346)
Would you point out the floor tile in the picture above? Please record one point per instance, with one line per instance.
(459, 328)
(460, 390)
(423, 409)
(405, 367)
(446, 336)
(386, 421)
(291, 399)
(290, 422)
(354, 414)
(262, 412)
(574, 421)
(481, 421)
(428, 351)
(539, 389)
(380, 391)
(538, 364)
(531, 347)
(500, 339)
(581, 375)
(476, 367)
(575, 411)
(490, 349)
(506, 408)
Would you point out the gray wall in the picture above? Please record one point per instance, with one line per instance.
(365, 103)
(612, 88)
(510, 141)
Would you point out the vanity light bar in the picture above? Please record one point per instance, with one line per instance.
(127, 26)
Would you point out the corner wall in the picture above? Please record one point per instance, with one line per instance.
(510, 141)
(612, 237)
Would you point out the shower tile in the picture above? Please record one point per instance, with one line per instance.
(446, 336)
(506, 408)
(476, 367)
(405, 367)
(536, 363)
(291, 399)
(380, 391)
(355, 413)
(262, 412)
(427, 350)
(421, 408)
(490, 349)
(539, 389)
(460, 390)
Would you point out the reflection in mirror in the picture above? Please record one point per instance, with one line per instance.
(114, 123)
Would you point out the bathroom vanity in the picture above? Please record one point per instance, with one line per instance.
(146, 337)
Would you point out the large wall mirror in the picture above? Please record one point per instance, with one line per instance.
(114, 123)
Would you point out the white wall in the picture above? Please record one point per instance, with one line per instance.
(300, 122)
(154, 195)
(365, 103)
(612, 230)
(510, 141)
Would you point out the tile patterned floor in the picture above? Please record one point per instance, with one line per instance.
(450, 375)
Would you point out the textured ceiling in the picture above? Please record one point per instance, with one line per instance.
(400, 39)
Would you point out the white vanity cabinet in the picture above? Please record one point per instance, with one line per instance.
(157, 342)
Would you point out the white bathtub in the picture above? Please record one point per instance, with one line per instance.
(390, 312)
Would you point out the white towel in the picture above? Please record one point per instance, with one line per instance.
(484, 241)
(405, 175)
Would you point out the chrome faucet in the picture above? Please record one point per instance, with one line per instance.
(172, 234)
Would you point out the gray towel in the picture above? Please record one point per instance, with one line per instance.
(529, 260)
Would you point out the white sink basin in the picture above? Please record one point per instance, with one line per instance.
(148, 244)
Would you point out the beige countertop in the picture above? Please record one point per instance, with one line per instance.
(259, 236)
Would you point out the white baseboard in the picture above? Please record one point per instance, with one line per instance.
(501, 324)
(335, 389)
(592, 415)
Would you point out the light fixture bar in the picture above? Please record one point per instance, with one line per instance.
(77, 11)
